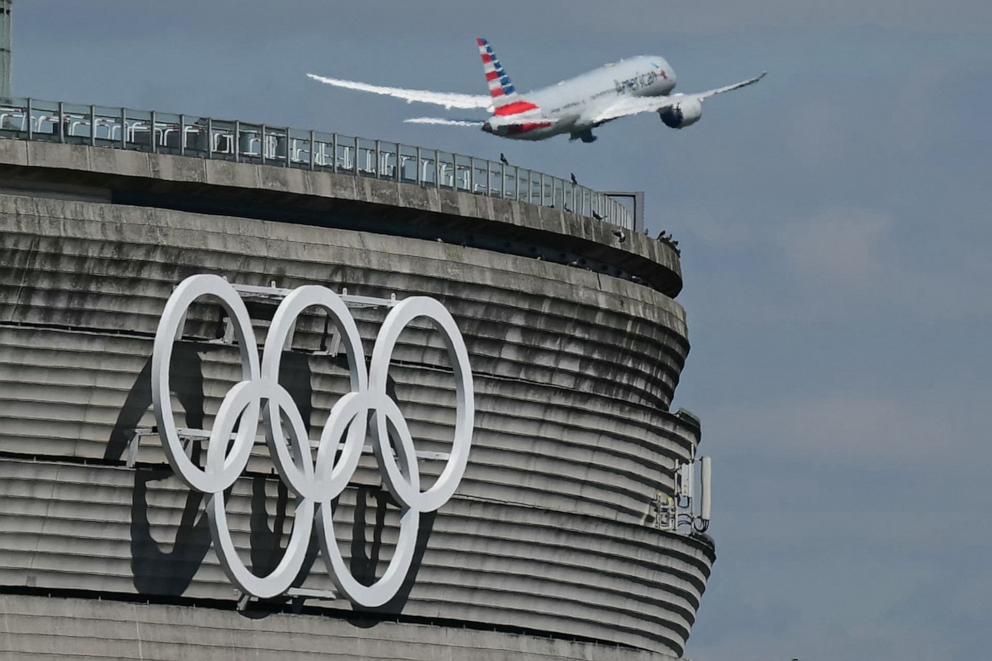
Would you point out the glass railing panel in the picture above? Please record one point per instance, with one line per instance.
(463, 173)
(510, 181)
(549, 191)
(194, 135)
(222, 139)
(109, 129)
(428, 167)
(299, 148)
(77, 123)
(480, 175)
(138, 129)
(446, 169)
(366, 156)
(523, 184)
(346, 156)
(568, 195)
(168, 133)
(45, 120)
(387, 160)
(275, 145)
(249, 142)
(14, 118)
(408, 164)
(535, 188)
(496, 176)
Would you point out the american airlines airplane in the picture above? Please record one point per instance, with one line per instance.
(575, 106)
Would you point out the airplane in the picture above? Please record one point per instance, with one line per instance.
(575, 106)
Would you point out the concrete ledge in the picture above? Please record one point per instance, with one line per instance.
(306, 191)
(53, 627)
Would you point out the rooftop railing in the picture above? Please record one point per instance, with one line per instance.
(233, 140)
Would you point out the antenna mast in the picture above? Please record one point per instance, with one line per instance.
(6, 48)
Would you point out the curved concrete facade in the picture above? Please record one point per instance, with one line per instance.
(542, 553)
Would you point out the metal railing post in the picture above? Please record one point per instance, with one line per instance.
(437, 170)
(399, 163)
(123, 128)
(210, 137)
(376, 155)
(289, 149)
(502, 179)
(152, 145)
(262, 143)
(182, 135)
(313, 148)
(334, 152)
(471, 174)
(420, 175)
(61, 122)
(237, 141)
(92, 126)
(354, 158)
(30, 118)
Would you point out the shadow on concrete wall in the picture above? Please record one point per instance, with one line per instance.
(157, 571)
(364, 563)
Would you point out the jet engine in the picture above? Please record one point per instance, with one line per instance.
(682, 113)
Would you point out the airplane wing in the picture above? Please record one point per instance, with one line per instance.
(638, 104)
(446, 99)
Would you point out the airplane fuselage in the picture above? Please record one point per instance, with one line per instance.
(573, 107)
(569, 106)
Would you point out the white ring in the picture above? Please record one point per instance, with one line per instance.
(397, 320)
(170, 328)
(314, 482)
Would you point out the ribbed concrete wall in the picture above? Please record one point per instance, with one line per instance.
(52, 628)
(115, 530)
(574, 374)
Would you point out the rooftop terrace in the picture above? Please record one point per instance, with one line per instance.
(237, 141)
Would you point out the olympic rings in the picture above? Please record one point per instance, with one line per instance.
(314, 481)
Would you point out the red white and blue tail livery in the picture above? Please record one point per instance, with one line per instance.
(500, 87)
(574, 106)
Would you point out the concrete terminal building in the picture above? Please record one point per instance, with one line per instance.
(554, 545)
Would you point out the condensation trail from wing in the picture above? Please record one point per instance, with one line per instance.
(446, 99)
(441, 121)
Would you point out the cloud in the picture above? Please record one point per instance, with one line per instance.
(837, 248)
(854, 428)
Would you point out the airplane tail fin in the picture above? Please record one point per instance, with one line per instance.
(500, 87)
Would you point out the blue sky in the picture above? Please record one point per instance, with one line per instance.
(835, 228)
